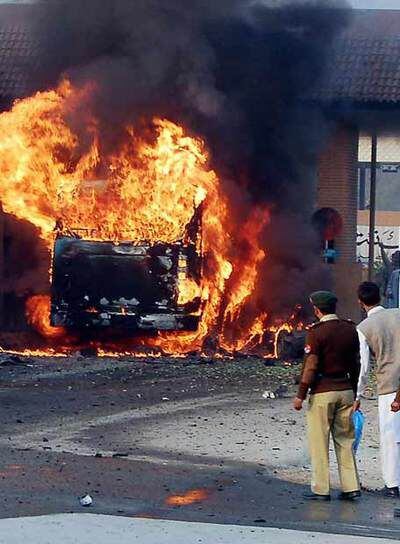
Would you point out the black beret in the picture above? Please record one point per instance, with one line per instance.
(323, 299)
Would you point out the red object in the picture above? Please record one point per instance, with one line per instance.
(328, 222)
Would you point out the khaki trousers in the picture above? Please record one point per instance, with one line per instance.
(330, 413)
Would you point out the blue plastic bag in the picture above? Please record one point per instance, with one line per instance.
(358, 420)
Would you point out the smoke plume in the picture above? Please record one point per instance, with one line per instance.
(236, 73)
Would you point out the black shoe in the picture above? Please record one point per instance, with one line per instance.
(391, 492)
(349, 495)
(315, 497)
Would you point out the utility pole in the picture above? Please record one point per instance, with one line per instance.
(372, 207)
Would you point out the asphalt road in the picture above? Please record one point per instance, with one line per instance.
(170, 440)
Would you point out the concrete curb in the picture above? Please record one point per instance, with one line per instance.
(101, 529)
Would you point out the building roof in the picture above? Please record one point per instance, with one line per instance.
(364, 65)
(18, 50)
(365, 61)
(15, 53)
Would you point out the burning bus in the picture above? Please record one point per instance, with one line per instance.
(159, 245)
(127, 285)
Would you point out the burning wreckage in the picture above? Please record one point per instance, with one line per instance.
(138, 287)
(211, 117)
(127, 285)
(175, 248)
(157, 247)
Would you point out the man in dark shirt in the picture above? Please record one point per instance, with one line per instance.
(330, 374)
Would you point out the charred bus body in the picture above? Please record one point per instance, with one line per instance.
(136, 286)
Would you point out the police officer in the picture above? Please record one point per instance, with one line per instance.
(330, 374)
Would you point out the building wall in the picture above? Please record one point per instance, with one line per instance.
(388, 150)
(337, 174)
(337, 189)
(387, 231)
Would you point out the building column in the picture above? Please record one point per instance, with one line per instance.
(337, 189)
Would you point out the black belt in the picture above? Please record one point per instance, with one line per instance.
(334, 376)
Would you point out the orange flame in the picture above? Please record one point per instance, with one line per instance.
(38, 316)
(190, 497)
(146, 188)
(188, 291)
(284, 327)
(149, 191)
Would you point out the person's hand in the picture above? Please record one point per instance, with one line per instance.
(297, 404)
(356, 405)
(395, 406)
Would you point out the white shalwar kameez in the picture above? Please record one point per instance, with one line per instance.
(389, 422)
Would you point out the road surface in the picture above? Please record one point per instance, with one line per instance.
(172, 441)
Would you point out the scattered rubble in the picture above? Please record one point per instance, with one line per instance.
(280, 392)
(268, 395)
(86, 500)
(13, 360)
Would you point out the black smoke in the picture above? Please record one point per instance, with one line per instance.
(237, 73)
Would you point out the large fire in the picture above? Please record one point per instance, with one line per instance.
(153, 179)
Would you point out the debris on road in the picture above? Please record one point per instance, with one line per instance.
(268, 395)
(86, 500)
(12, 360)
(270, 362)
(279, 392)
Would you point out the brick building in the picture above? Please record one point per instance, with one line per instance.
(360, 92)
(338, 190)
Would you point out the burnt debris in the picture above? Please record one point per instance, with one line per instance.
(126, 285)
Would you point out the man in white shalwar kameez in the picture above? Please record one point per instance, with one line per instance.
(379, 334)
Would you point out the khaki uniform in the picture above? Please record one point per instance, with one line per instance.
(330, 373)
